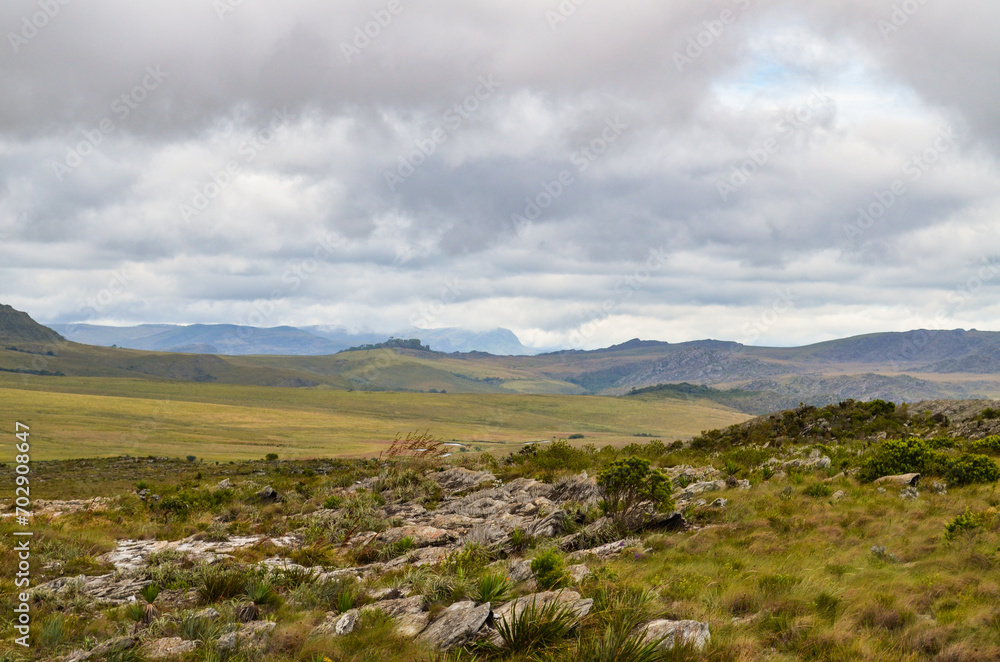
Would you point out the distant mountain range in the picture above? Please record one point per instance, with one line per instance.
(901, 367)
(233, 340)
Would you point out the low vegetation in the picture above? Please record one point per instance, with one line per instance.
(805, 558)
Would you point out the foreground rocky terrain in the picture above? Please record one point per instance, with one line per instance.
(804, 535)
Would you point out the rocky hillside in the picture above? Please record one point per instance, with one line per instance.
(800, 535)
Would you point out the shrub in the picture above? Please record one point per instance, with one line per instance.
(549, 569)
(969, 469)
(492, 588)
(631, 489)
(534, 627)
(900, 456)
(819, 490)
(576, 436)
(191, 458)
(968, 521)
(990, 444)
(271, 457)
(221, 583)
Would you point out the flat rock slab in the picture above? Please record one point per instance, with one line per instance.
(674, 633)
(422, 536)
(457, 625)
(168, 647)
(608, 550)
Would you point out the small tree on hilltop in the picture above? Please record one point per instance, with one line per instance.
(632, 491)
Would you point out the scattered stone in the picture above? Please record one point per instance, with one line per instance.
(168, 647)
(672, 633)
(458, 625)
(268, 495)
(224, 484)
(253, 634)
(114, 646)
(209, 614)
(838, 495)
(908, 493)
(578, 572)
(520, 571)
(387, 594)
(881, 490)
(902, 480)
(719, 503)
(410, 615)
(939, 488)
(606, 551)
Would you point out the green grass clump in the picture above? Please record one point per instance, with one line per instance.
(493, 588)
(534, 628)
(549, 569)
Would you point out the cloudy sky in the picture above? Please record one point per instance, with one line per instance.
(581, 172)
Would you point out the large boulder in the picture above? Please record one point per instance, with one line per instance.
(902, 480)
(459, 624)
(673, 633)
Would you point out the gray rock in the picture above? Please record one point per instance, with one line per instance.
(909, 493)
(168, 647)
(117, 645)
(208, 613)
(268, 495)
(387, 594)
(520, 571)
(838, 495)
(550, 526)
(410, 615)
(224, 484)
(422, 536)
(458, 625)
(578, 572)
(606, 551)
(345, 624)
(719, 503)
(939, 487)
(902, 480)
(254, 633)
(458, 479)
(672, 633)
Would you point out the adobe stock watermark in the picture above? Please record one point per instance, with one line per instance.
(220, 180)
(581, 160)
(365, 34)
(958, 298)
(451, 121)
(899, 16)
(624, 290)
(296, 275)
(427, 314)
(122, 107)
(32, 25)
(563, 12)
(760, 154)
(913, 169)
(761, 323)
(709, 35)
(117, 285)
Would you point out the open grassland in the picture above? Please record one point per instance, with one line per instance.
(100, 417)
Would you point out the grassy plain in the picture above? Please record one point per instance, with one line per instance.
(74, 417)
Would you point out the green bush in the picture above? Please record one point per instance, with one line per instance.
(989, 445)
(968, 521)
(549, 569)
(631, 489)
(970, 468)
(901, 456)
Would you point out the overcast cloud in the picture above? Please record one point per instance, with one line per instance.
(566, 170)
